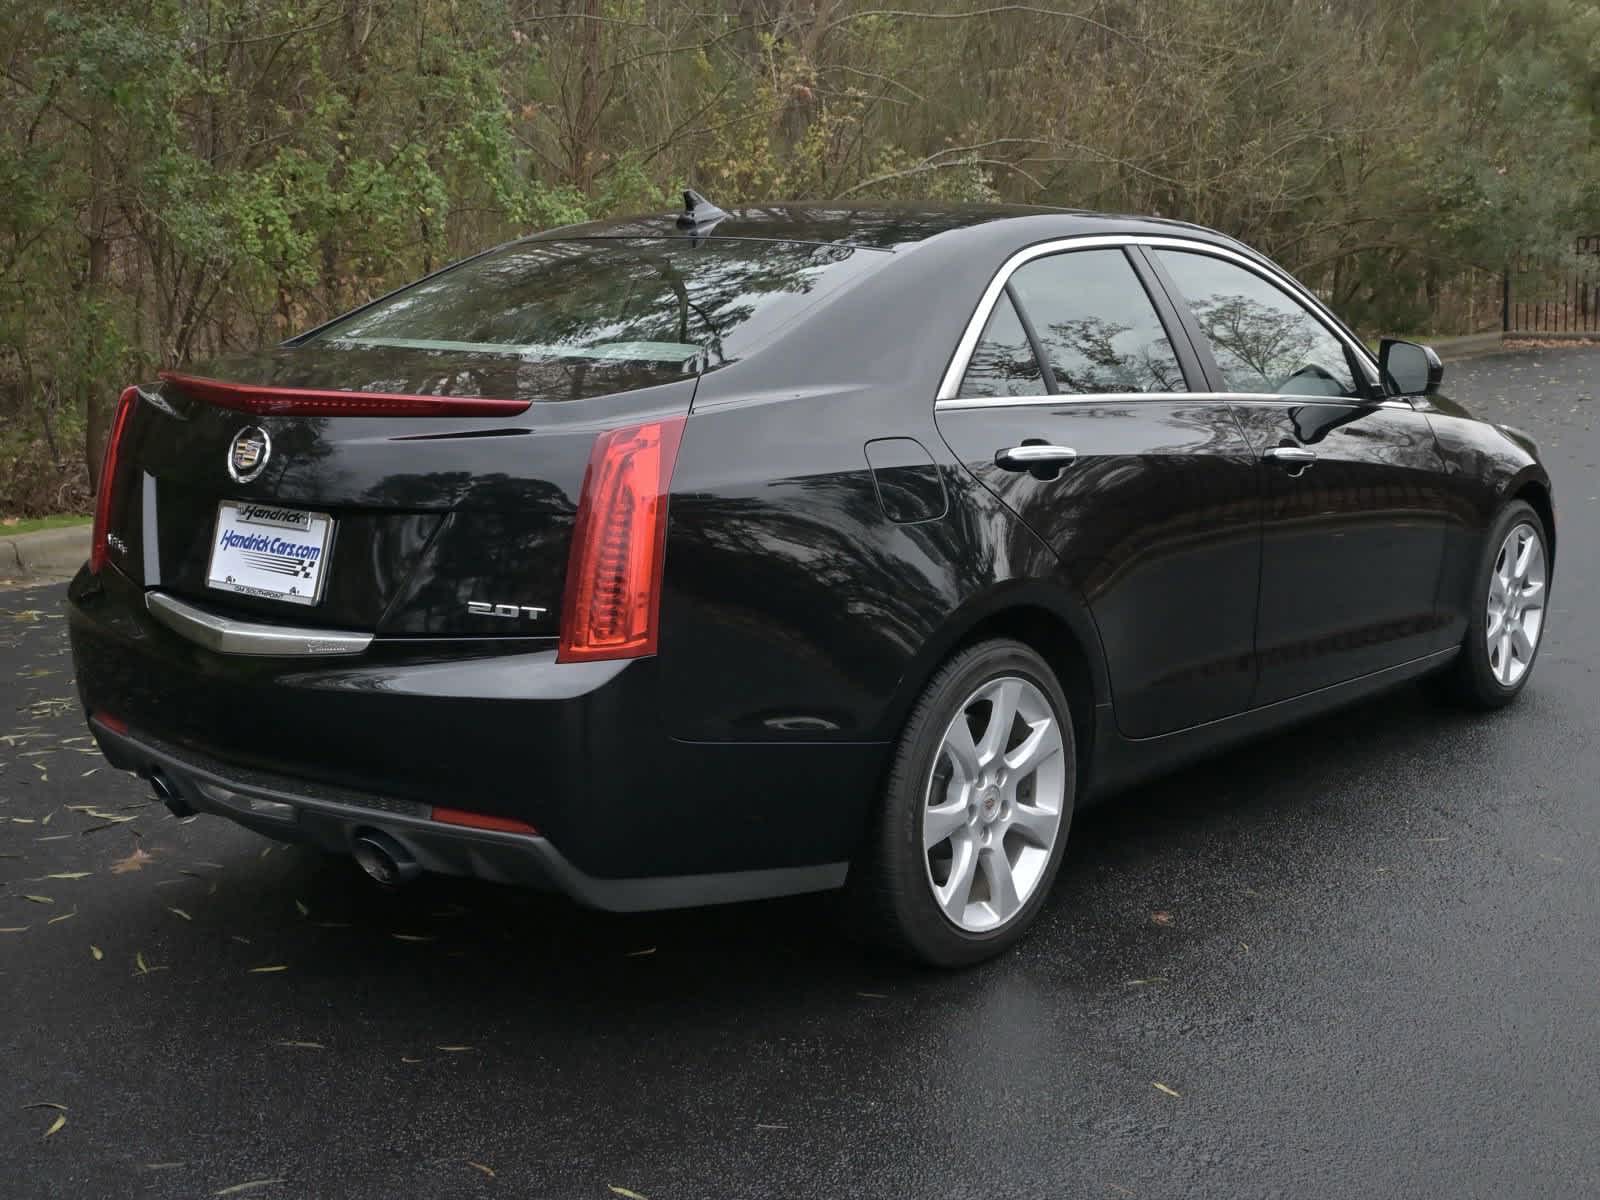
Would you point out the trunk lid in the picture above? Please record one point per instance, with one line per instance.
(429, 513)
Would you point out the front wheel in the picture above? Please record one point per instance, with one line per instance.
(1510, 604)
(974, 817)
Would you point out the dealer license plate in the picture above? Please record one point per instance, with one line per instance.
(267, 550)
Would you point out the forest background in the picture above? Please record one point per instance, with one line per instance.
(180, 178)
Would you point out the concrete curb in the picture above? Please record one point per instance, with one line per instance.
(1475, 344)
(1452, 349)
(46, 555)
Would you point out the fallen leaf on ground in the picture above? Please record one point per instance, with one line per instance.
(412, 937)
(453, 1049)
(1161, 918)
(39, 899)
(134, 861)
(69, 875)
(62, 917)
(1161, 1087)
(13, 929)
(47, 1104)
(97, 952)
(55, 1126)
(268, 970)
(489, 1171)
(302, 1045)
(627, 1193)
(300, 906)
(640, 953)
(248, 1185)
(179, 912)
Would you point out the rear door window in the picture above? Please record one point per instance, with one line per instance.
(1096, 325)
(1263, 340)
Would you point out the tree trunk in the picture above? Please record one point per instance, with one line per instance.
(586, 122)
(96, 407)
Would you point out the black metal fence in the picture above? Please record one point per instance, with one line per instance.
(1554, 295)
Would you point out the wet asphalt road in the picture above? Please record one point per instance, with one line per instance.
(1365, 955)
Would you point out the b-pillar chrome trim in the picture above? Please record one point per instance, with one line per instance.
(227, 636)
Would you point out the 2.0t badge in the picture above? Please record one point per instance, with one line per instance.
(248, 455)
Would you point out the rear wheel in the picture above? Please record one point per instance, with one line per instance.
(1509, 607)
(974, 818)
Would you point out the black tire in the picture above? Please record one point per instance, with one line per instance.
(1470, 681)
(889, 897)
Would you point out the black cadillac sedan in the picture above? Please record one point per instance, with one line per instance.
(723, 555)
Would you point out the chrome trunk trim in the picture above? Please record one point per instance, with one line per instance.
(227, 636)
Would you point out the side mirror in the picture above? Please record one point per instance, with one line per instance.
(1408, 369)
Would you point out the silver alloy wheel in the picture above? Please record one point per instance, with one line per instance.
(1516, 604)
(992, 808)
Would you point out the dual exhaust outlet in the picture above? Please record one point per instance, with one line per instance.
(382, 857)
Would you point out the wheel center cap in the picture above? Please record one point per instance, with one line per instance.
(991, 804)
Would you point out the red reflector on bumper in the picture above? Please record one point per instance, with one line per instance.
(455, 816)
(115, 724)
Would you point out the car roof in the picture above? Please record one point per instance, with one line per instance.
(879, 227)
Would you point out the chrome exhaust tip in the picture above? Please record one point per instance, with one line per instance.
(383, 858)
(169, 795)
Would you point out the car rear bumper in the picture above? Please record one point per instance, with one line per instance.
(332, 819)
(626, 816)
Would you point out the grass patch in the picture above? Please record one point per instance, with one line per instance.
(12, 526)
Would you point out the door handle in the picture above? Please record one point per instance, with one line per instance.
(1296, 458)
(1034, 454)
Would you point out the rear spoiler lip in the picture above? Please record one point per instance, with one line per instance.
(334, 402)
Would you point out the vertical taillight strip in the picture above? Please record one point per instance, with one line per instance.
(612, 601)
(105, 494)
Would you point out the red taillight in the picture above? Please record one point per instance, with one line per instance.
(324, 402)
(106, 494)
(613, 592)
(456, 816)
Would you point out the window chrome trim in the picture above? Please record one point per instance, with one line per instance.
(1056, 401)
(1080, 398)
(950, 385)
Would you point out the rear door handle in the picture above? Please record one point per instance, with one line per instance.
(1297, 458)
(1034, 454)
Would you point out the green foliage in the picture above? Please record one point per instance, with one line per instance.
(186, 178)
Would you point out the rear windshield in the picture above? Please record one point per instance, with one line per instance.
(665, 307)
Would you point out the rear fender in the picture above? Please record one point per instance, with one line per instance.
(994, 610)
